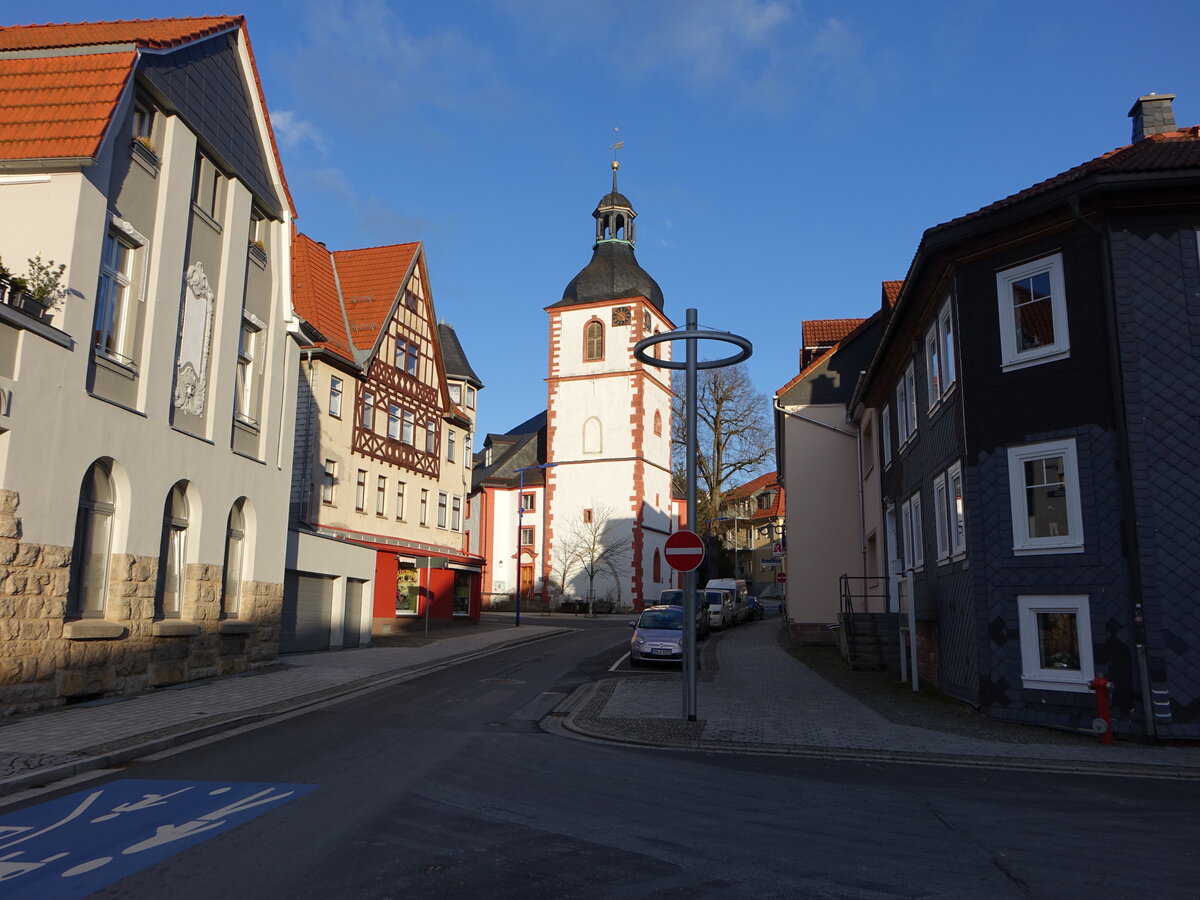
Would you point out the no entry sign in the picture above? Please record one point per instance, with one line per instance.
(684, 550)
(781, 577)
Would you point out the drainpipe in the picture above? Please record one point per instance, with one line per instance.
(306, 468)
(1129, 534)
(857, 435)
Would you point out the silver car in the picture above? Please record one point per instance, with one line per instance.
(657, 636)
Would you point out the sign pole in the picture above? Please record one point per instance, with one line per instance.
(691, 336)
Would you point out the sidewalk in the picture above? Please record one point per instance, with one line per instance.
(44, 747)
(754, 696)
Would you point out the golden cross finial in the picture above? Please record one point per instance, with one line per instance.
(616, 165)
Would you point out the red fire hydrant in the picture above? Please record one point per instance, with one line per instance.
(1102, 724)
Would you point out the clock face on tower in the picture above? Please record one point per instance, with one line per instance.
(620, 315)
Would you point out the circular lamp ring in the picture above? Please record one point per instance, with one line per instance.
(725, 337)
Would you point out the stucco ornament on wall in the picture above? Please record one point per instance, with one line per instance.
(191, 378)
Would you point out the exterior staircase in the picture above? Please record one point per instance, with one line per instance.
(872, 640)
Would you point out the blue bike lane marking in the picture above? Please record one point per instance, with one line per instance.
(75, 845)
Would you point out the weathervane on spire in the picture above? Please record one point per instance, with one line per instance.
(616, 165)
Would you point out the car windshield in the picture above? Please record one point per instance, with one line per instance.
(671, 598)
(662, 619)
(714, 597)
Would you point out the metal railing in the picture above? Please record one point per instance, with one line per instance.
(845, 583)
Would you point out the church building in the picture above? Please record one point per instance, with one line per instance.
(577, 502)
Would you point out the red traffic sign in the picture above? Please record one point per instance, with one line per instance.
(684, 551)
(781, 577)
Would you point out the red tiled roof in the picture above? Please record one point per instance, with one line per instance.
(891, 292)
(804, 373)
(370, 280)
(158, 34)
(1164, 152)
(314, 294)
(822, 332)
(752, 489)
(59, 107)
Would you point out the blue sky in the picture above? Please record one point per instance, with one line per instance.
(784, 157)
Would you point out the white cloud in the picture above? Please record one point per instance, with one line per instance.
(293, 132)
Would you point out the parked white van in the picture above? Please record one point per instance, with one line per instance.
(736, 589)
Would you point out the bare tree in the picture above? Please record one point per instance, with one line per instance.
(734, 436)
(595, 544)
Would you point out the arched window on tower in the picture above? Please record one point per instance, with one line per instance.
(657, 566)
(593, 341)
(657, 422)
(592, 442)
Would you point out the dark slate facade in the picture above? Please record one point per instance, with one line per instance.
(1126, 396)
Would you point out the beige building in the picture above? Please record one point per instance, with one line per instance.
(146, 413)
(386, 414)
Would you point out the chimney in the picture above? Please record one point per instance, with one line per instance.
(1152, 114)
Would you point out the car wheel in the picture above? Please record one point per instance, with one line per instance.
(634, 663)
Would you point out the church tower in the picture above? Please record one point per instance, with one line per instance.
(608, 421)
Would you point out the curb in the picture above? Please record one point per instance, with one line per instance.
(136, 747)
(573, 718)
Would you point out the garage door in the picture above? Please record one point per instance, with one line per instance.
(352, 628)
(307, 602)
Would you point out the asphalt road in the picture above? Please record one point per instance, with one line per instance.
(446, 787)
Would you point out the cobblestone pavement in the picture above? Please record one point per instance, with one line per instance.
(763, 698)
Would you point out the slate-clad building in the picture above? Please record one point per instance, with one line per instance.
(1036, 388)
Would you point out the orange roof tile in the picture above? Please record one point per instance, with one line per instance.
(315, 296)
(370, 279)
(822, 332)
(59, 107)
(150, 33)
(891, 292)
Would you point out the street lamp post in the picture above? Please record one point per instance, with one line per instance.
(520, 524)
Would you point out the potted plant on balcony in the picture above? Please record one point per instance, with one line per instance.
(40, 289)
(5, 276)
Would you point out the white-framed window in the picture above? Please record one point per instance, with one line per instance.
(235, 555)
(394, 422)
(398, 358)
(1056, 642)
(941, 517)
(400, 499)
(409, 427)
(360, 491)
(443, 501)
(918, 557)
(455, 394)
(328, 479)
(335, 396)
(1033, 313)
(93, 539)
(946, 340)
(245, 394)
(451, 444)
(414, 354)
(933, 366)
(467, 450)
(208, 189)
(1043, 482)
(456, 513)
(380, 494)
(116, 316)
(470, 397)
(910, 386)
(885, 434)
(906, 535)
(958, 521)
(174, 558)
(526, 535)
(424, 506)
(949, 519)
(431, 436)
(528, 503)
(368, 412)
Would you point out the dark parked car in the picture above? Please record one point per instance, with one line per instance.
(754, 609)
(674, 597)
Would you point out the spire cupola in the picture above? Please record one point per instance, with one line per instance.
(613, 273)
(614, 215)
